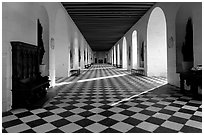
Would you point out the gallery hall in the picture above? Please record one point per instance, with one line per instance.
(102, 67)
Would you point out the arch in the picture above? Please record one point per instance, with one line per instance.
(156, 44)
(75, 52)
(112, 52)
(129, 56)
(182, 16)
(118, 54)
(124, 54)
(134, 50)
(61, 43)
(71, 56)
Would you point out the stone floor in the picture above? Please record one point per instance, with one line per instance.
(104, 99)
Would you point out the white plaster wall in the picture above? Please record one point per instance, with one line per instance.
(82, 54)
(62, 39)
(19, 23)
(170, 10)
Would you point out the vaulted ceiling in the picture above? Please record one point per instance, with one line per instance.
(104, 23)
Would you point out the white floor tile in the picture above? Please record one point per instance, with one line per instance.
(147, 126)
(17, 128)
(44, 128)
(122, 127)
(172, 125)
(70, 128)
(96, 127)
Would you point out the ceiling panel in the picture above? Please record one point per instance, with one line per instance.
(104, 23)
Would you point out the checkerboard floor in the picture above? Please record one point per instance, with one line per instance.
(99, 101)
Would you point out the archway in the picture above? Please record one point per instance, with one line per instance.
(118, 54)
(134, 49)
(129, 56)
(156, 44)
(124, 54)
(61, 45)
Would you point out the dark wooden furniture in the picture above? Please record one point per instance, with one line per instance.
(119, 66)
(75, 72)
(28, 86)
(139, 71)
(192, 79)
(87, 66)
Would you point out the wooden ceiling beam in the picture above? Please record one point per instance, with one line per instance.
(106, 10)
(103, 24)
(106, 3)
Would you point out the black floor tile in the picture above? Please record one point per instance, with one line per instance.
(86, 114)
(4, 114)
(108, 122)
(60, 123)
(12, 123)
(56, 131)
(127, 112)
(28, 131)
(159, 105)
(84, 122)
(186, 111)
(147, 112)
(137, 130)
(66, 114)
(176, 105)
(188, 129)
(45, 114)
(24, 114)
(132, 121)
(51, 107)
(196, 118)
(36, 123)
(178, 119)
(141, 106)
(83, 130)
(106, 113)
(110, 130)
(164, 130)
(165, 111)
(154, 120)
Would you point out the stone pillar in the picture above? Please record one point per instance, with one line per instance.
(124, 54)
(114, 50)
(82, 55)
(76, 54)
(52, 62)
(112, 56)
(118, 54)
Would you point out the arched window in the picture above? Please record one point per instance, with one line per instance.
(134, 49)
(156, 44)
(124, 54)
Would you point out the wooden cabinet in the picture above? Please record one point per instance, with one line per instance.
(28, 86)
(192, 79)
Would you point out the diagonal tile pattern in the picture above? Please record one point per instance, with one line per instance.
(99, 101)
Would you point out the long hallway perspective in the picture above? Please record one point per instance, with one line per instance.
(106, 99)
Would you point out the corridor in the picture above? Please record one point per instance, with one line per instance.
(105, 99)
